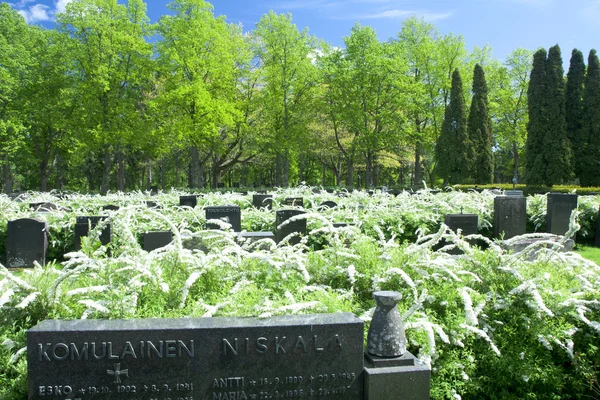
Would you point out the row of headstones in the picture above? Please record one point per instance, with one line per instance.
(27, 238)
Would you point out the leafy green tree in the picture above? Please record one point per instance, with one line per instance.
(589, 141)
(574, 106)
(290, 81)
(509, 107)
(110, 57)
(453, 146)
(557, 147)
(480, 130)
(537, 120)
(17, 40)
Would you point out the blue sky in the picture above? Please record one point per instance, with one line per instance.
(503, 24)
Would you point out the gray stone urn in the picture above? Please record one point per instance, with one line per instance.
(386, 337)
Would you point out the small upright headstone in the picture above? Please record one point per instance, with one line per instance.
(510, 216)
(153, 190)
(188, 201)
(26, 242)
(294, 202)
(262, 200)
(156, 240)
(152, 204)
(558, 213)
(44, 207)
(513, 193)
(230, 214)
(110, 207)
(327, 204)
(82, 228)
(298, 226)
(467, 223)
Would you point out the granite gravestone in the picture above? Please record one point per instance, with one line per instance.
(558, 212)
(26, 243)
(294, 202)
(83, 226)
(262, 200)
(467, 223)
(513, 193)
(252, 237)
(282, 230)
(189, 201)
(156, 240)
(510, 216)
(110, 207)
(293, 356)
(327, 204)
(229, 214)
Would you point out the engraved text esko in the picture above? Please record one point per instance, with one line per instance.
(281, 345)
(106, 350)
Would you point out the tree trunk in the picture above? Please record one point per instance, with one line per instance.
(286, 169)
(338, 172)
(350, 172)
(195, 171)
(279, 170)
(162, 173)
(60, 172)
(369, 170)
(8, 182)
(516, 161)
(243, 177)
(106, 172)
(120, 171)
(323, 174)
(301, 164)
(417, 181)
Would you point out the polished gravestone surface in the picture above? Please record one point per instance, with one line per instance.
(298, 226)
(293, 356)
(510, 216)
(110, 207)
(467, 223)
(26, 243)
(229, 214)
(262, 200)
(327, 204)
(294, 202)
(558, 212)
(156, 240)
(189, 201)
(82, 228)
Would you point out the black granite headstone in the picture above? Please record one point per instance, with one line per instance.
(294, 202)
(26, 242)
(327, 204)
(467, 223)
(189, 201)
(154, 190)
(292, 356)
(558, 212)
(510, 216)
(230, 214)
(156, 240)
(82, 228)
(513, 193)
(262, 200)
(152, 204)
(110, 207)
(298, 226)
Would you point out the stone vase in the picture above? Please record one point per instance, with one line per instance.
(386, 337)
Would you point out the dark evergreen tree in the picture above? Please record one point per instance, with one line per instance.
(589, 165)
(534, 160)
(453, 146)
(574, 107)
(480, 130)
(558, 154)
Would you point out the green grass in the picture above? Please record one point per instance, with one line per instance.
(589, 252)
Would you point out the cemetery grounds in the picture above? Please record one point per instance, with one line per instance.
(492, 324)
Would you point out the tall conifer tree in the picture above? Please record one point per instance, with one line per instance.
(557, 150)
(480, 130)
(574, 107)
(536, 126)
(452, 150)
(590, 133)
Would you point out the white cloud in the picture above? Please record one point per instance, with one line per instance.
(394, 14)
(36, 13)
(60, 5)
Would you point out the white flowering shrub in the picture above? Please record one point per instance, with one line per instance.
(491, 324)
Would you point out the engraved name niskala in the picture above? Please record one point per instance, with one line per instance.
(146, 349)
(281, 345)
(106, 350)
